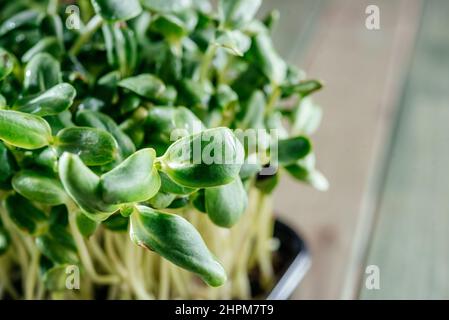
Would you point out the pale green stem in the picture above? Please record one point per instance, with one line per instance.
(263, 240)
(52, 7)
(164, 280)
(92, 26)
(109, 246)
(40, 290)
(148, 270)
(5, 278)
(273, 99)
(178, 282)
(19, 246)
(98, 253)
(31, 275)
(133, 274)
(84, 253)
(206, 63)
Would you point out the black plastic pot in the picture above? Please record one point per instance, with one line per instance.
(293, 262)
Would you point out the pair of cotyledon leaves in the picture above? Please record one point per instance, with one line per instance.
(134, 180)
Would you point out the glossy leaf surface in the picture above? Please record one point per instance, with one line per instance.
(24, 130)
(206, 159)
(175, 239)
(225, 204)
(83, 186)
(94, 146)
(134, 180)
(39, 187)
(117, 10)
(51, 102)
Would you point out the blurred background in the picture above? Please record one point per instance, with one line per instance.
(383, 144)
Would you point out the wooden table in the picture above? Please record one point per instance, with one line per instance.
(383, 144)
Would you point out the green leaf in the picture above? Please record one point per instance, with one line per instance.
(235, 14)
(303, 88)
(7, 164)
(179, 203)
(24, 130)
(306, 117)
(60, 121)
(166, 5)
(162, 200)
(263, 55)
(194, 94)
(199, 201)
(49, 45)
(130, 103)
(94, 146)
(26, 18)
(99, 120)
(55, 278)
(2, 102)
(83, 186)
(145, 85)
(206, 159)
(116, 222)
(170, 26)
(46, 158)
(185, 119)
(267, 183)
(59, 216)
(225, 97)
(106, 86)
(41, 73)
(253, 111)
(250, 167)
(117, 10)
(160, 122)
(63, 235)
(292, 149)
(175, 239)
(86, 226)
(271, 19)
(304, 170)
(5, 239)
(126, 210)
(38, 187)
(6, 64)
(235, 42)
(121, 47)
(25, 215)
(52, 25)
(134, 180)
(275, 121)
(109, 42)
(165, 122)
(57, 245)
(225, 204)
(126, 49)
(51, 102)
(169, 186)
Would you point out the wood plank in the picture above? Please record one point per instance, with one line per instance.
(362, 70)
(411, 241)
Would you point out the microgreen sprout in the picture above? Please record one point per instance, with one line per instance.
(131, 147)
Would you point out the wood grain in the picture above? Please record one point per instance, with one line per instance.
(362, 71)
(411, 240)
